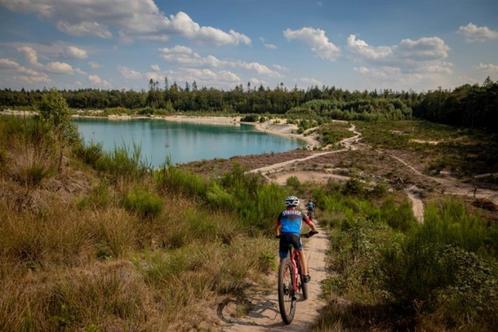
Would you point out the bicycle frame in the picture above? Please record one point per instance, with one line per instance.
(296, 263)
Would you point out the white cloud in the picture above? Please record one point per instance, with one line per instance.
(308, 82)
(96, 80)
(317, 40)
(84, 28)
(410, 61)
(488, 69)
(472, 33)
(59, 68)
(186, 56)
(256, 82)
(76, 52)
(30, 54)
(269, 46)
(155, 67)
(94, 65)
(488, 66)
(130, 74)
(18, 72)
(360, 47)
(131, 18)
(184, 25)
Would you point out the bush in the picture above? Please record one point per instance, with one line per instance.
(143, 202)
(250, 118)
(293, 182)
(398, 216)
(90, 153)
(419, 267)
(122, 163)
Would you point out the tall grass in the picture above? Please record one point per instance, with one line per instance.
(124, 248)
(255, 202)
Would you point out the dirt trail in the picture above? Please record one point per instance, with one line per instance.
(414, 195)
(264, 313)
(347, 144)
(453, 186)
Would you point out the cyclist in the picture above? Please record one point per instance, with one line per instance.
(310, 206)
(288, 229)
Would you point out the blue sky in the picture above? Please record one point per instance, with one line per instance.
(372, 44)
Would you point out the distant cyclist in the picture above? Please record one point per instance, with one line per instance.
(288, 229)
(310, 207)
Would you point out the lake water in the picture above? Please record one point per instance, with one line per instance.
(181, 141)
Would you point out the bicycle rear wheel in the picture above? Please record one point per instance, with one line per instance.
(286, 296)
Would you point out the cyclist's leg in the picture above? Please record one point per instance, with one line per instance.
(283, 249)
(304, 263)
(298, 245)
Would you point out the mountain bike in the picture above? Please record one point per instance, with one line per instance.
(291, 283)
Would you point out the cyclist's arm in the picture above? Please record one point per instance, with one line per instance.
(310, 223)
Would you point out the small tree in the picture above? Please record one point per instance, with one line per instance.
(54, 111)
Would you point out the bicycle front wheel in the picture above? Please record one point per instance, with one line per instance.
(286, 294)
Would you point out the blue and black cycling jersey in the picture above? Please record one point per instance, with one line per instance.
(290, 221)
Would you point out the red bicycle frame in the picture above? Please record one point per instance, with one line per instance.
(294, 259)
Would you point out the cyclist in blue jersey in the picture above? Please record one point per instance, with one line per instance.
(310, 206)
(288, 229)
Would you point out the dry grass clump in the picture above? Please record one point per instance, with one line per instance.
(125, 253)
(101, 296)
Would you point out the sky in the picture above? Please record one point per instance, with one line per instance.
(369, 44)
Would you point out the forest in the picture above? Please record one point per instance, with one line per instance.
(474, 106)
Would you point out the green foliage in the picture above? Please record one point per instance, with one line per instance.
(175, 179)
(471, 106)
(121, 163)
(90, 153)
(397, 216)
(143, 202)
(236, 191)
(443, 263)
(98, 198)
(293, 182)
(250, 118)
(53, 109)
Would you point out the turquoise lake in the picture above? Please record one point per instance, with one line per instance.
(182, 142)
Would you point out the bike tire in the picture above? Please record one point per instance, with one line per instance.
(286, 304)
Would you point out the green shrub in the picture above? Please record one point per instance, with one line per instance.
(218, 197)
(178, 180)
(250, 118)
(414, 270)
(90, 153)
(398, 216)
(293, 182)
(122, 163)
(353, 187)
(143, 202)
(99, 197)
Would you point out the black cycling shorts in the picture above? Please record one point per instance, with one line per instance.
(287, 240)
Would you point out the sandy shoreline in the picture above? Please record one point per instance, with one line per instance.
(279, 128)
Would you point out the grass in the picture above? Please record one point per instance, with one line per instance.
(126, 248)
(396, 274)
(461, 151)
(333, 132)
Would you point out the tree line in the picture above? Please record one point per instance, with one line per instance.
(468, 105)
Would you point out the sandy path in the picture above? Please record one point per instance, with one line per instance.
(414, 194)
(347, 143)
(264, 314)
(453, 186)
